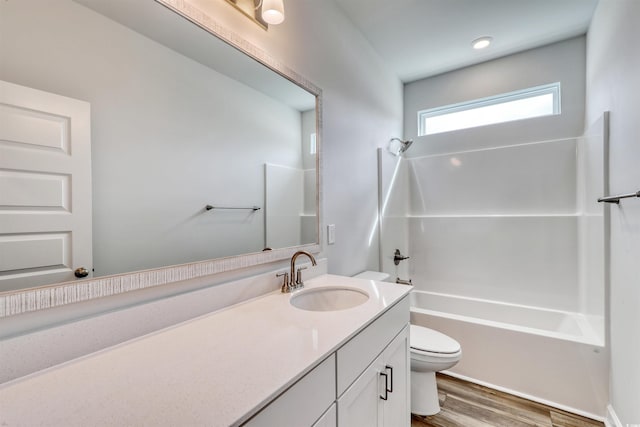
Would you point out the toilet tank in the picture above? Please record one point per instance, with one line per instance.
(373, 275)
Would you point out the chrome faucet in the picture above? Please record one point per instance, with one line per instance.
(289, 284)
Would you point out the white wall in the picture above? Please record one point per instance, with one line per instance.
(308, 221)
(283, 205)
(613, 83)
(362, 111)
(563, 62)
(164, 129)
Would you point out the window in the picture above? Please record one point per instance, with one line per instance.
(523, 104)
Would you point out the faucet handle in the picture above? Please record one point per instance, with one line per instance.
(299, 282)
(285, 281)
(397, 257)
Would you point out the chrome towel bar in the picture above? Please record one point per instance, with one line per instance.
(253, 208)
(616, 199)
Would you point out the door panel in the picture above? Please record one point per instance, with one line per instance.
(44, 130)
(34, 191)
(21, 252)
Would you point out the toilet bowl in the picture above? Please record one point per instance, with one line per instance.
(431, 352)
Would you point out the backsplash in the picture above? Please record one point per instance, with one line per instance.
(26, 353)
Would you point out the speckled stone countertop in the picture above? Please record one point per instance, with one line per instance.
(215, 370)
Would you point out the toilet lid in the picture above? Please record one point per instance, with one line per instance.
(425, 339)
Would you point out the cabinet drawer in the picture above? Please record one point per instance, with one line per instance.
(304, 402)
(357, 354)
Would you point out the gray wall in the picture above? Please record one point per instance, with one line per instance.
(613, 83)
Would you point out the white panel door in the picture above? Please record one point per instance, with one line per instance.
(45, 187)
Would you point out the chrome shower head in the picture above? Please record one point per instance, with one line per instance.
(405, 145)
(397, 146)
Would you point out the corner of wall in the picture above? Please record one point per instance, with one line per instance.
(611, 419)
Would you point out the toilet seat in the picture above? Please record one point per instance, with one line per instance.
(427, 341)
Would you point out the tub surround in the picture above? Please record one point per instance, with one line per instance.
(220, 368)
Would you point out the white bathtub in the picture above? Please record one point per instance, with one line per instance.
(553, 357)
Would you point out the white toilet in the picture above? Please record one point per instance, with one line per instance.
(431, 352)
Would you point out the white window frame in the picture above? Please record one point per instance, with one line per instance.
(553, 89)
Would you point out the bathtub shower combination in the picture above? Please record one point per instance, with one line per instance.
(506, 247)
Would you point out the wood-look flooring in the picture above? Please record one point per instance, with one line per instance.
(465, 404)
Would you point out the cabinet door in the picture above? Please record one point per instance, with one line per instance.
(360, 404)
(397, 408)
(328, 419)
(304, 402)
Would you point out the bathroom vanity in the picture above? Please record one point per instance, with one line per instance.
(258, 363)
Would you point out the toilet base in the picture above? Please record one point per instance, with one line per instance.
(424, 393)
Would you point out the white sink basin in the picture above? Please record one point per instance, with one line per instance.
(328, 298)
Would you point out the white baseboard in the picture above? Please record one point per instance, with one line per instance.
(612, 419)
(537, 399)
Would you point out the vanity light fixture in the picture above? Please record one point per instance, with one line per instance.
(262, 12)
(273, 11)
(482, 42)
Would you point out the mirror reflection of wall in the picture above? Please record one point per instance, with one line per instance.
(290, 193)
(169, 135)
(309, 222)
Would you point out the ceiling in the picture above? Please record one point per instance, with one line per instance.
(422, 38)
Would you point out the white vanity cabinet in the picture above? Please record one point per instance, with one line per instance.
(380, 395)
(349, 388)
(304, 402)
(328, 419)
(373, 373)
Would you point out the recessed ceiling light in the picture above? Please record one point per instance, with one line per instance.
(482, 42)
